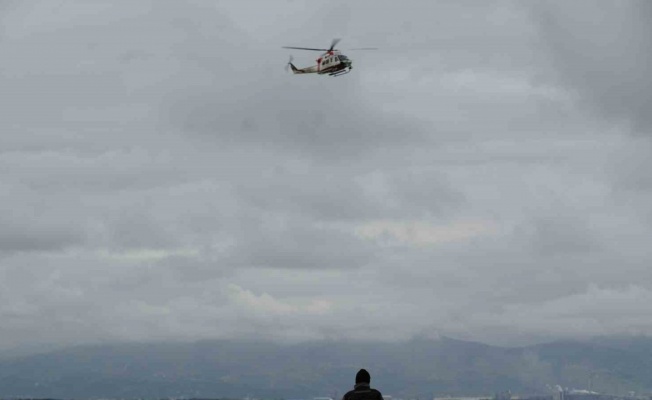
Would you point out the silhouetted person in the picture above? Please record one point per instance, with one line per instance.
(362, 390)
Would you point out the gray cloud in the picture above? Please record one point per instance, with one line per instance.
(601, 51)
(32, 224)
(299, 245)
(41, 237)
(161, 177)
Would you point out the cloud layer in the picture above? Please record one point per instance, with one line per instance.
(483, 176)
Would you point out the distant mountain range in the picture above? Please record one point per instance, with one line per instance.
(420, 368)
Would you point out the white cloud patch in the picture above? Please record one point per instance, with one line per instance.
(148, 255)
(416, 233)
(266, 304)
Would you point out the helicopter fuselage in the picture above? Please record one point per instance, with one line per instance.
(333, 63)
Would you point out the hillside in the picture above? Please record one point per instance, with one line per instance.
(417, 368)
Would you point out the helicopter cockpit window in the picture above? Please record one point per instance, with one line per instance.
(343, 57)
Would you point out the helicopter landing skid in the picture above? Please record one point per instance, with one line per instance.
(341, 72)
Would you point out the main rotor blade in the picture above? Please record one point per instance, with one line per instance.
(334, 43)
(304, 48)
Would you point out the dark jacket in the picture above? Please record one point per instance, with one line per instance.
(362, 391)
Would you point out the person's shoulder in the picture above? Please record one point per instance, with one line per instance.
(348, 394)
(377, 393)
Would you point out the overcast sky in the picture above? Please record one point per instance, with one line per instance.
(485, 175)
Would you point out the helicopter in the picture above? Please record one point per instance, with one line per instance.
(331, 62)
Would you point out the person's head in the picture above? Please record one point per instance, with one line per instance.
(362, 377)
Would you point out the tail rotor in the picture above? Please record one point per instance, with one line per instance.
(289, 64)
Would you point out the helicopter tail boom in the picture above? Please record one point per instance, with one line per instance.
(307, 70)
(295, 70)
